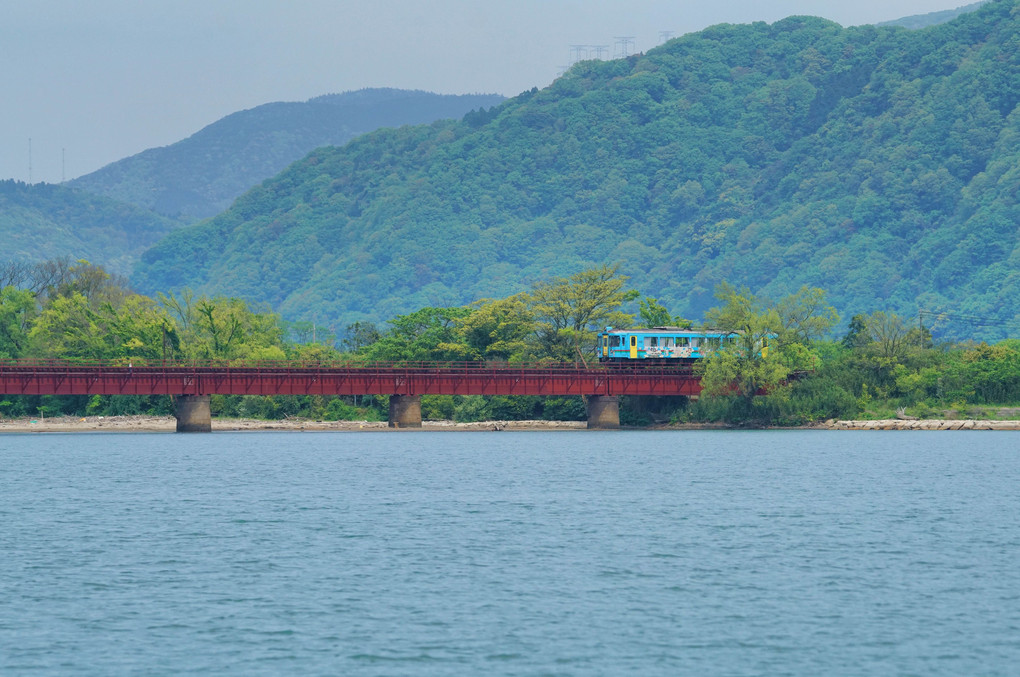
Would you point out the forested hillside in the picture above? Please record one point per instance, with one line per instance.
(880, 164)
(201, 175)
(46, 221)
(933, 18)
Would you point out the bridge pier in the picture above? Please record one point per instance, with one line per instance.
(193, 414)
(405, 411)
(603, 412)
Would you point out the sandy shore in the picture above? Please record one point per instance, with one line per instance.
(67, 424)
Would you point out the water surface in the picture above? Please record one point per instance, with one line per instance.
(527, 553)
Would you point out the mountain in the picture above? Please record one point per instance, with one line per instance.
(933, 18)
(46, 221)
(201, 175)
(880, 164)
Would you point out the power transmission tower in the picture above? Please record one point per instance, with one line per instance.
(623, 46)
(578, 53)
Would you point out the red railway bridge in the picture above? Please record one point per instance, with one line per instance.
(405, 383)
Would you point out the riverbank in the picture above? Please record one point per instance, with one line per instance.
(69, 424)
(923, 424)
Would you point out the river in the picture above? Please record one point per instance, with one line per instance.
(511, 553)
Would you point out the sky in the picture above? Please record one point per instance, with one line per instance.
(84, 84)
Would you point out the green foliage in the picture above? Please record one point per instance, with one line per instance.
(428, 334)
(877, 163)
(569, 311)
(203, 174)
(771, 342)
(498, 329)
(933, 18)
(17, 312)
(654, 314)
(775, 371)
(45, 221)
(225, 329)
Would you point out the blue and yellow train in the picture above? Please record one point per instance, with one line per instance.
(661, 344)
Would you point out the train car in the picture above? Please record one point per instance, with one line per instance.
(660, 344)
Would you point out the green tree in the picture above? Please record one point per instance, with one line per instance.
(497, 329)
(72, 327)
(425, 335)
(224, 328)
(62, 277)
(805, 316)
(17, 312)
(889, 335)
(857, 333)
(654, 314)
(742, 369)
(569, 311)
(359, 335)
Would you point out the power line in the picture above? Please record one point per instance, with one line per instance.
(973, 320)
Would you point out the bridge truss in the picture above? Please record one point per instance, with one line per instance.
(431, 378)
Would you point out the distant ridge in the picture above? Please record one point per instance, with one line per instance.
(202, 175)
(48, 221)
(916, 21)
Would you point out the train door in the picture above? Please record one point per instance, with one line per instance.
(633, 347)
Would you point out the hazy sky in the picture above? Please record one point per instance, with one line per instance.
(96, 81)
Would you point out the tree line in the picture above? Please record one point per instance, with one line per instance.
(880, 366)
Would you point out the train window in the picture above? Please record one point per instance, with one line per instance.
(633, 341)
(654, 341)
(668, 341)
(683, 341)
(614, 341)
(694, 342)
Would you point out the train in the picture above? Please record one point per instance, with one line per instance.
(664, 345)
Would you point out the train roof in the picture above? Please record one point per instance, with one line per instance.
(669, 330)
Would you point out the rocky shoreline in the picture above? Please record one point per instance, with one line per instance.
(67, 424)
(923, 424)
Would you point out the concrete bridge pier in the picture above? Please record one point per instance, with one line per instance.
(405, 411)
(193, 414)
(603, 412)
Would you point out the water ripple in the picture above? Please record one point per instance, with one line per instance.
(740, 553)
